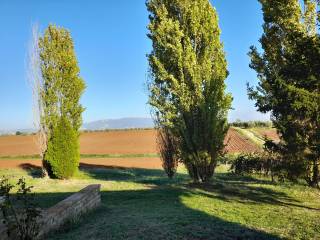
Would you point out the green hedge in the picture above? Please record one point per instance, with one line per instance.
(251, 124)
(63, 154)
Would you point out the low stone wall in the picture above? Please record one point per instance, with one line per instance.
(70, 208)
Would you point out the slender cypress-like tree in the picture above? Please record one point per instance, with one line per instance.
(61, 92)
(187, 87)
(289, 76)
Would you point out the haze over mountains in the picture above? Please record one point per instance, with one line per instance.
(121, 123)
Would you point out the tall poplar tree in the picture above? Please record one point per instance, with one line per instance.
(61, 92)
(289, 74)
(187, 87)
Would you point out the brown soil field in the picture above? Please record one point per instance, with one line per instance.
(119, 142)
(115, 142)
(111, 142)
(18, 145)
(146, 163)
(235, 143)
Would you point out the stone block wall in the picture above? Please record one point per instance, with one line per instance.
(70, 208)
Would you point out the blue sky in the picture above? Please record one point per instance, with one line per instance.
(111, 46)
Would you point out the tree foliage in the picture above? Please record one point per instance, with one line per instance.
(63, 150)
(20, 213)
(36, 84)
(167, 145)
(288, 70)
(61, 92)
(187, 89)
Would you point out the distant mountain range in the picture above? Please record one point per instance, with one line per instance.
(122, 123)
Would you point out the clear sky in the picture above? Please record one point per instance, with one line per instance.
(111, 46)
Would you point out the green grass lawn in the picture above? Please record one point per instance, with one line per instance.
(144, 204)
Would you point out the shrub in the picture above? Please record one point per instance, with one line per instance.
(20, 213)
(167, 149)
(248, 164)
(62, 156)
(251, 124)
(271, 163)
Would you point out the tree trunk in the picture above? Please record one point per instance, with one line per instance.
(315, 175)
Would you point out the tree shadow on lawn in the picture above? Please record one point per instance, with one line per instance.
(230, 187)
(32, 170)
(137, 175)
(159, 212)
(224, 186)
(156, 213)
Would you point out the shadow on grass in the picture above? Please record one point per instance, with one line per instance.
(156, 213)
(225, 186)
(137, 175)
(231, 187)
(32, 170)
(160, 213)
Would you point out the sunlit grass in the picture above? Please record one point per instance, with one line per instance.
(145, 204)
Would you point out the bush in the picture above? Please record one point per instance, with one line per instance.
(20, 213)
(248, 164)
(272, 162)
(168, 148)
(251, 124)
(62, 156)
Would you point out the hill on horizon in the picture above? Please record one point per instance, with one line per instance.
(121, 123)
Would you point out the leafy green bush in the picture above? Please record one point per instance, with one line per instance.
(62, 156)
(249, 163)
(19, 213)
(271, 162)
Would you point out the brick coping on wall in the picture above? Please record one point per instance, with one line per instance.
(70, 208)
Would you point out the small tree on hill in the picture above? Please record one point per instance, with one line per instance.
(187, 89)
(289, 86)
(62, 89)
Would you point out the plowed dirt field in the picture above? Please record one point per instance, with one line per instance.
(236, 142)
(112, 142)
